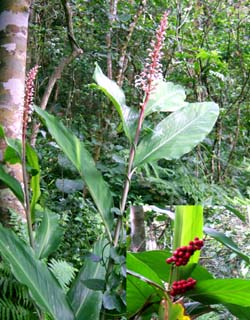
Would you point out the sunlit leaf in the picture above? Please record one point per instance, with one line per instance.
(177, 134)
(165, 98)
(128, 116)
(216, 291)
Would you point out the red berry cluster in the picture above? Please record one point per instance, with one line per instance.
(181, 286)
(181, 255)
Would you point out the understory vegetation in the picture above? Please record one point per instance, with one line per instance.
(138, 109)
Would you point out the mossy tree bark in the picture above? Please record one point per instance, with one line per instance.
(14, 15)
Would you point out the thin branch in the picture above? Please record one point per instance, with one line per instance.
(112, 16)
(123, 61)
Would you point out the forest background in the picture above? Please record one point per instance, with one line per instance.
(206, 51)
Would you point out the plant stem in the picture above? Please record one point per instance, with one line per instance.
(26, 193)
(130, 171)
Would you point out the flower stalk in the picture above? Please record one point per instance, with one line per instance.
(28, 101)
(147, 81)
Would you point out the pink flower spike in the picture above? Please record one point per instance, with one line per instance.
(153, 69)
(28, 98)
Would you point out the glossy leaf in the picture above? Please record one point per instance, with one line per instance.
(75, 150)
(188, 224)
(167, 97)
(222, 238)
(177, 134)
(48, 235)
(156, 260)
(33, 273)
(138, 291)
(87, 303)
(12, 183)
(128, 116)
(217, 291)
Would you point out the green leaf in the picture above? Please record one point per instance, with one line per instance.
(86, 302)
(94, 284)
(236, 212)
(177, 134)
(167, 97)
(2, 134)
(242, 313)
(33, 273)
(75, 150)
(156, 260)
(217, 291)
(33, 162)
(128, 116)
(188, 224)
(140, 292)
(12, 183)
(48, 235)
(219, 236)
(13, 153)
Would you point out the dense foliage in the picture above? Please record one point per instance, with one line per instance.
(111, 139)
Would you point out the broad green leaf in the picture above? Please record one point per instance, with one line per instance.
(33, 163)
(166, 97)
(217, 291)
(128, 116)
(140, 292)
(156, 260)
(95, 284)
(188, 224)
(87, 303)
(75, 150)
(219, 236)
(12, 183)
(177, 134)
(33, 273)
(48, 235)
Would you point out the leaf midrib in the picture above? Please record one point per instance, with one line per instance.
(169, 139)
(27, 278)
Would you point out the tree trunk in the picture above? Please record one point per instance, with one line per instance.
(13, 47)
(138, 237)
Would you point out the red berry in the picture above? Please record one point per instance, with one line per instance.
(169, 260)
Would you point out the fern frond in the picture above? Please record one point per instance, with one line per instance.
(63, 271)
(9, 310)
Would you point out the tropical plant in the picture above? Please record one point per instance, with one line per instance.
(101, 281)
(173, 285)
